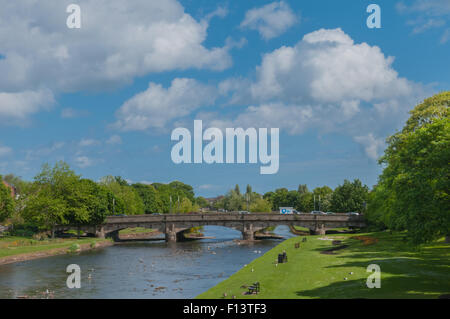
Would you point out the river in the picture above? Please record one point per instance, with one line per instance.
(152, 269)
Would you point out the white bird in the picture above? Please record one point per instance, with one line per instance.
(345, 278)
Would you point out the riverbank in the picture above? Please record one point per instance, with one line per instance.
(17, 249)
(318, 270)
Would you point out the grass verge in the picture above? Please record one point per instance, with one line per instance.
(406, 271)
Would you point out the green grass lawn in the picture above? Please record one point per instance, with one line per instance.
(406, 272)
(12, 245)
(299, 228)
(136, 230)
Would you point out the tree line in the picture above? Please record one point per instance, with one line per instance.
(58, 196)
(348, 197)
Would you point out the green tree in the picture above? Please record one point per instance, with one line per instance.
(150, 198)
(323, 198)
(302, 189)
(305, 202)
(45, 210)
(201, 202)
(350, 197)
(237, 190)
(128, 200)
(412, 192)
(261, 205)
(182, 190)
(6, 201)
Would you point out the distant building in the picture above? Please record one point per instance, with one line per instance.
(12, 188)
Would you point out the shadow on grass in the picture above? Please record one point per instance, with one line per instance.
(406, 271)
(398, 287)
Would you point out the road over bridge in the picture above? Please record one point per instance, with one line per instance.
(247, 224)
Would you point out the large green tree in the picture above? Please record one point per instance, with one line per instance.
(412, 192)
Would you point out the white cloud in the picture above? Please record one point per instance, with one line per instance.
(44, 151)
(372, 146)
(270, 20)
(5, 150)
(83, 161)
(70, 113)
(427, 14)
(328, 83)
(207, 187)
(157, 106)
(118, 41)
(17, 106)
(446, 36)
(220, 12)
(115, 139)
(88, 142)
(327, 67)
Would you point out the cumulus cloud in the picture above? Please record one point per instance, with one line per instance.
(16, 106)
(157, 106)
(327, 66)
(270, 20)
(118, 41)
(328, 83)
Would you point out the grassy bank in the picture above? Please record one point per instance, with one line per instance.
(14, 248)
(136, 230)
(406, 272)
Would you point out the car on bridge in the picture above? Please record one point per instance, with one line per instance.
(353, 213)
(317, 212)
(244, 212)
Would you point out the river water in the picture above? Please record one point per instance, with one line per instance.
(153, 269)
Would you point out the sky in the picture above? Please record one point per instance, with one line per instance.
(105, 97)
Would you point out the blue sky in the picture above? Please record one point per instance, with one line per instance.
(106, 97)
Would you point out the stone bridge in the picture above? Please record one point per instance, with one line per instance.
(247, 224)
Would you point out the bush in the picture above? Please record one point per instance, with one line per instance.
(23, 230)
(74, 248)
